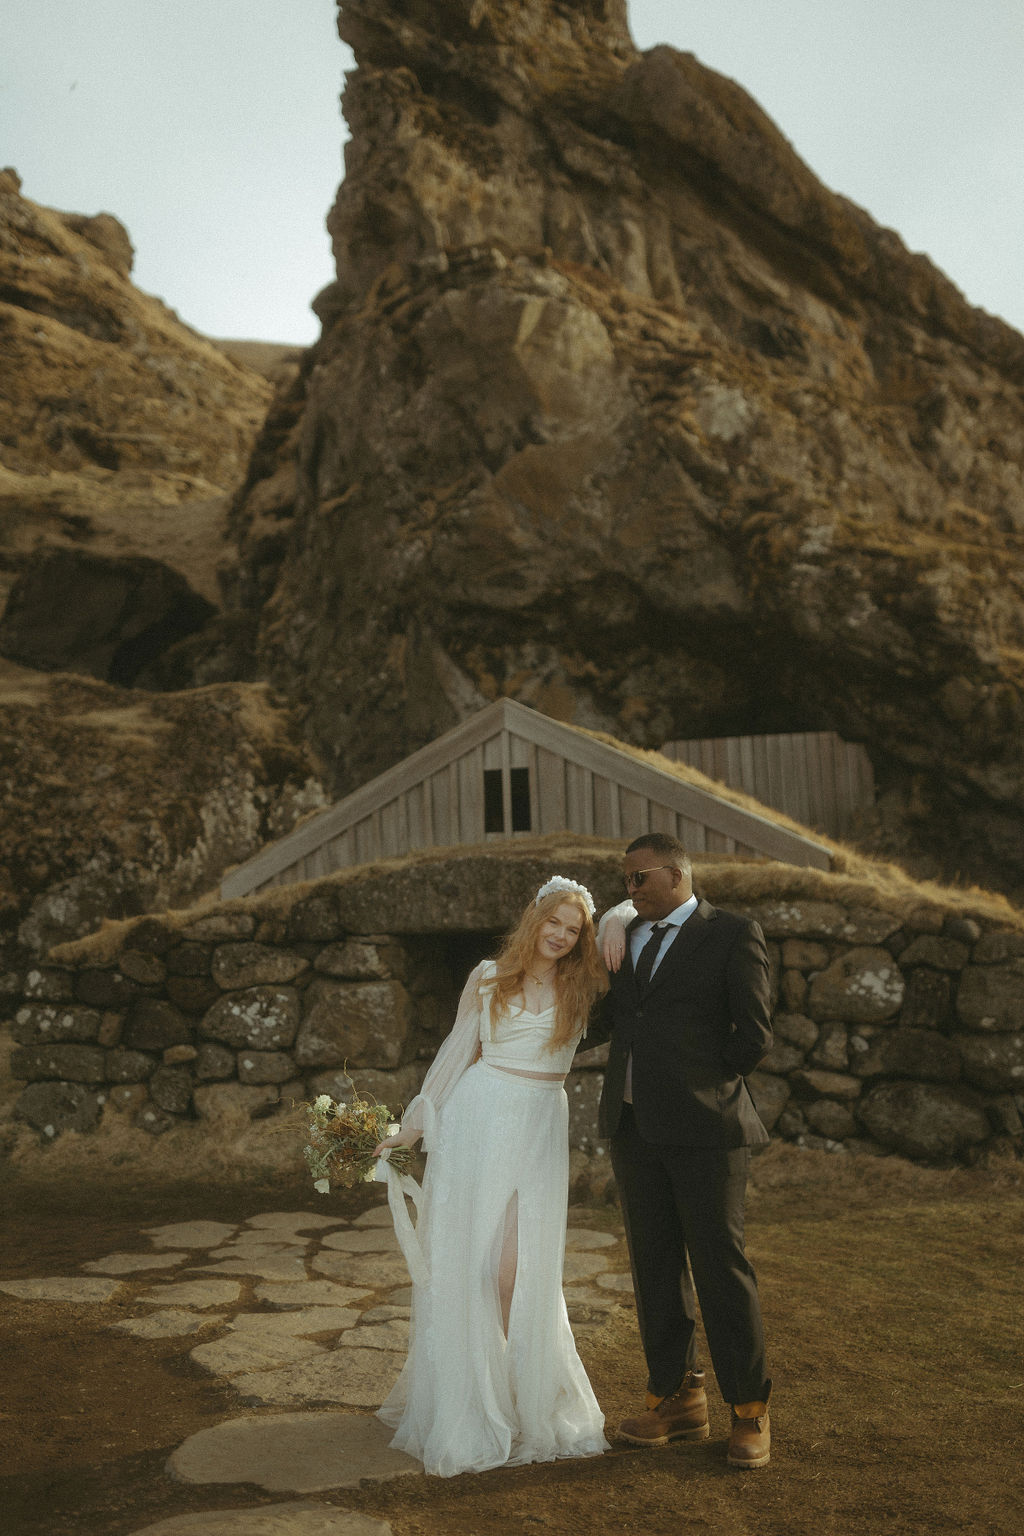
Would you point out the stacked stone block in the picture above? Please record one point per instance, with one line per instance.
(903, 1031)
(226, 1013)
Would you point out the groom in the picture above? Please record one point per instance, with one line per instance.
(688, 1016)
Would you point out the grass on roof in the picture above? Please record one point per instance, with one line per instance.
(856, 881)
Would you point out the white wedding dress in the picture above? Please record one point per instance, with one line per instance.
(468, 1397)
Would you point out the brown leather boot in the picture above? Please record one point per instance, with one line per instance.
(750, 1439)
(683, 1416)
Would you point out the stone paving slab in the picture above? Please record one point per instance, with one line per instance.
(384, 1314)
(377, 1270)
(292, 1453)
(363, 1240)
(616, 1283)
(270, 1237)
(169, 1323)
(306, 1293)
(250, 1350)
(194, 1293)
(390, 1335)
(585, 1237)
(402, 1297)
(581, 1266)
(302, 1320)
(254, 1248)
(295, 1221)
(73, 1288)
(587, 1296)
(276, 1520)
(376, 1216)
(190, 1234)
(285, 1266)
(129, 1263)
(359, 1378)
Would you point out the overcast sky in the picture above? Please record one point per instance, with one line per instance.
(211, 128)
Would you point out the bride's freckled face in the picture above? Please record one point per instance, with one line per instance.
(559, 932)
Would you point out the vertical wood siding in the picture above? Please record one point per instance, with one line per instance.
(815, 777)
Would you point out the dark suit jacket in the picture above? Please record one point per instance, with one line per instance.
(703, 1024)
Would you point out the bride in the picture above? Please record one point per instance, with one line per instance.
(492, 1376)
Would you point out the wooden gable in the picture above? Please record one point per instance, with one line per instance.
(507, 770)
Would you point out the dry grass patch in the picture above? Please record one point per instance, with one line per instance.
(892, 1303)
(228, 1148)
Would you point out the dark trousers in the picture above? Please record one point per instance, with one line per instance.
(687, 1203)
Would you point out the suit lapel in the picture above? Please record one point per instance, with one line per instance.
(689, 938)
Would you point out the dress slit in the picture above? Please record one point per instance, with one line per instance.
(508, 1261)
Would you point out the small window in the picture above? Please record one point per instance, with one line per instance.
(494, 812)
(520, 799)
(494, 807)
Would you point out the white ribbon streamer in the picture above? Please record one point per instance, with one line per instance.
(399, 1186)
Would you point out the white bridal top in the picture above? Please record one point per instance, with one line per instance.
(518, 1040)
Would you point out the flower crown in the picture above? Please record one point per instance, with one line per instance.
(560, 883)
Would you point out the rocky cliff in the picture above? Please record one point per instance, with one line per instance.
(121, 429)
(121, 433)
(106, 375)
(619, 411)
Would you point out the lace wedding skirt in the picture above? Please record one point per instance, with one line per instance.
(468, 1398)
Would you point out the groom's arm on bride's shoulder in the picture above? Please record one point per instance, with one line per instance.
(611, 942)
(611, 934)
(750, 1004)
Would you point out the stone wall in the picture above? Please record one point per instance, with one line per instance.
(902, 1031)
(899, 1026)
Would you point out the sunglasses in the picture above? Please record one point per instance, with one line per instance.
(635, 881)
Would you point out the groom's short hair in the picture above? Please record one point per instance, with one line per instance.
(666, 847)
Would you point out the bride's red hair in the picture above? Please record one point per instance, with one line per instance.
(580, 976)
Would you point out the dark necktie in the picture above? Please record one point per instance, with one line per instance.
(648, 955)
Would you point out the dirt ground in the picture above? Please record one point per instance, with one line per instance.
(893, 1301)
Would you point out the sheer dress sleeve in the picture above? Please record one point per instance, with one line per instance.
(456, 1054)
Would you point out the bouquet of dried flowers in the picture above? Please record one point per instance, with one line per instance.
(342, 1138)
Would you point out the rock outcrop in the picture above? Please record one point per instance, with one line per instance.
(620, 412)
(121, 433)
(110, 617)
(118, 800)
(121, 429)
(106, 376)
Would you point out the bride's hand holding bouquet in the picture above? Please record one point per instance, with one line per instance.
(397, 1140)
